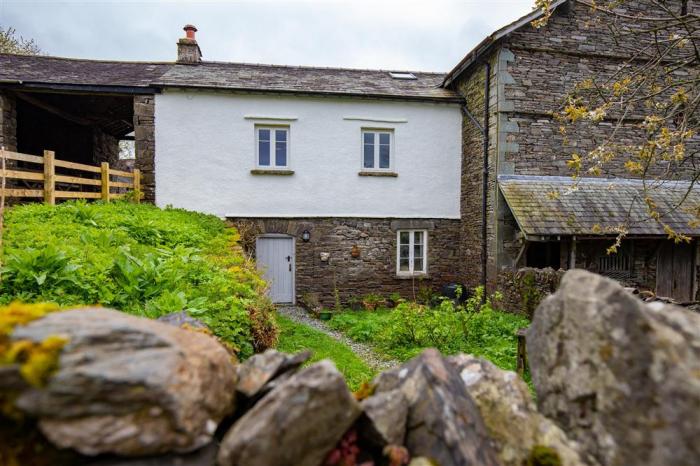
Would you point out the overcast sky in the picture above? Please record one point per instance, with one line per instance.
(429, 35)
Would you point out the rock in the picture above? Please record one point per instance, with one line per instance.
(296, 424)
(384, 420)
(510, 415)
(620, 376)
(205, 456)
(261, 369)
(443, 422)
(128, 385)
(178, 319)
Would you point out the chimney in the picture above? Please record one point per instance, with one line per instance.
(188, 51)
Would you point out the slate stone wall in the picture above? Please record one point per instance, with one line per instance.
(145, 143)
(533, 71)
(374, 271)
(8, 122)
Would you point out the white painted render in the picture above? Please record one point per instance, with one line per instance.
(205, 151)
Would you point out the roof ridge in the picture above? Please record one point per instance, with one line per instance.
(91, 60)
(313, 67)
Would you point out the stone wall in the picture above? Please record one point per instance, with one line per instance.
(374, 271)
(145, 143)
(525, 288)
(8, 122)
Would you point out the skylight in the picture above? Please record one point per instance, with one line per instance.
(402, 75)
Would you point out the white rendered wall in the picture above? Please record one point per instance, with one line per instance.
(205, 150)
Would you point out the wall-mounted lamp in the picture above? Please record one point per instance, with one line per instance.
(306, 236)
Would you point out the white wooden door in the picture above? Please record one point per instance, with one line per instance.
(275, 258)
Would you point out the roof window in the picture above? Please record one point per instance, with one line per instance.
(402, 75)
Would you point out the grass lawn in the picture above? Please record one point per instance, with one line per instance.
(295, 337)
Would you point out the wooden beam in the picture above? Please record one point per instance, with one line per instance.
(105, 181)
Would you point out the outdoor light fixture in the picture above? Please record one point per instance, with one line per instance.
(306, 236)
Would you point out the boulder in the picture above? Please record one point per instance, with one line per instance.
(128, 385)
(510, 414)
(619, 376)
(259, 370)
(443, 421)
(384, 419)
(296, 424)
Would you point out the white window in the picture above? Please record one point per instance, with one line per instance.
(272, 146)
(377, 151)
(412, 252)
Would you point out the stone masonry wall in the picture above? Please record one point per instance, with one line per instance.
(145, 143)
(576, 44)
(8, 122)
(374, 271)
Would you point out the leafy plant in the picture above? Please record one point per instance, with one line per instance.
(138, 259)
(372, 301)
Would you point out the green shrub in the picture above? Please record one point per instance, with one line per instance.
(409, 328)
(141, 260)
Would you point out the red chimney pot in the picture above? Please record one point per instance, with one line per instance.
(190, 30)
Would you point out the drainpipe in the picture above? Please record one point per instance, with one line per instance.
(484, 128)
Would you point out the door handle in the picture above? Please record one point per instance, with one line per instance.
(290, 267)
(289, 258)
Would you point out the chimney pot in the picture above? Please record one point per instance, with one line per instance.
(190, 30)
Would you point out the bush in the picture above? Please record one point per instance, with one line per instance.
(139, 259)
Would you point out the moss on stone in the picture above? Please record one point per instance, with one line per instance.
(543, 456)
(36, 361)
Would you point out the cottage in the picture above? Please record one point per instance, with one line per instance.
(346, 182)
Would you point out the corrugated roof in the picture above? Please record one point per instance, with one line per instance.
(587, 205)
(307, 80)
(42, 69)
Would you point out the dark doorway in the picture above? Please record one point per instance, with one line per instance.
(541, 255)
(674, 270)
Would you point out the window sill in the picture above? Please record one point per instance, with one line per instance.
(378, 173)
(260, 171)
(412, 276)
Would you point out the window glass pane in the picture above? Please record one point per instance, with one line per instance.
(403, 251)
(384, 138)
(404, 237)
(369, 138)
(417, 250)
(264, 153)
(418, 265)
(281, 135)
(418, 237)
(280, 153)
(368, 159)
(404, 265)
(384, 156)
(263, 134)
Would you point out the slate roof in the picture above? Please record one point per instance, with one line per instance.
(307, 80)
(580, 206)
(57, 70)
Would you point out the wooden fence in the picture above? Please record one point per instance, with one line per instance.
(61, 185)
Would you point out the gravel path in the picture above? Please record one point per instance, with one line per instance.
(363, 351)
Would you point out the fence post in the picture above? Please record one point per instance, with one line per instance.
(105, 181)
(137, 184)
(49, 177)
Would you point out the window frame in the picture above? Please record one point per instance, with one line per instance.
(376, 132)
(411, 258)
(273, 147)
